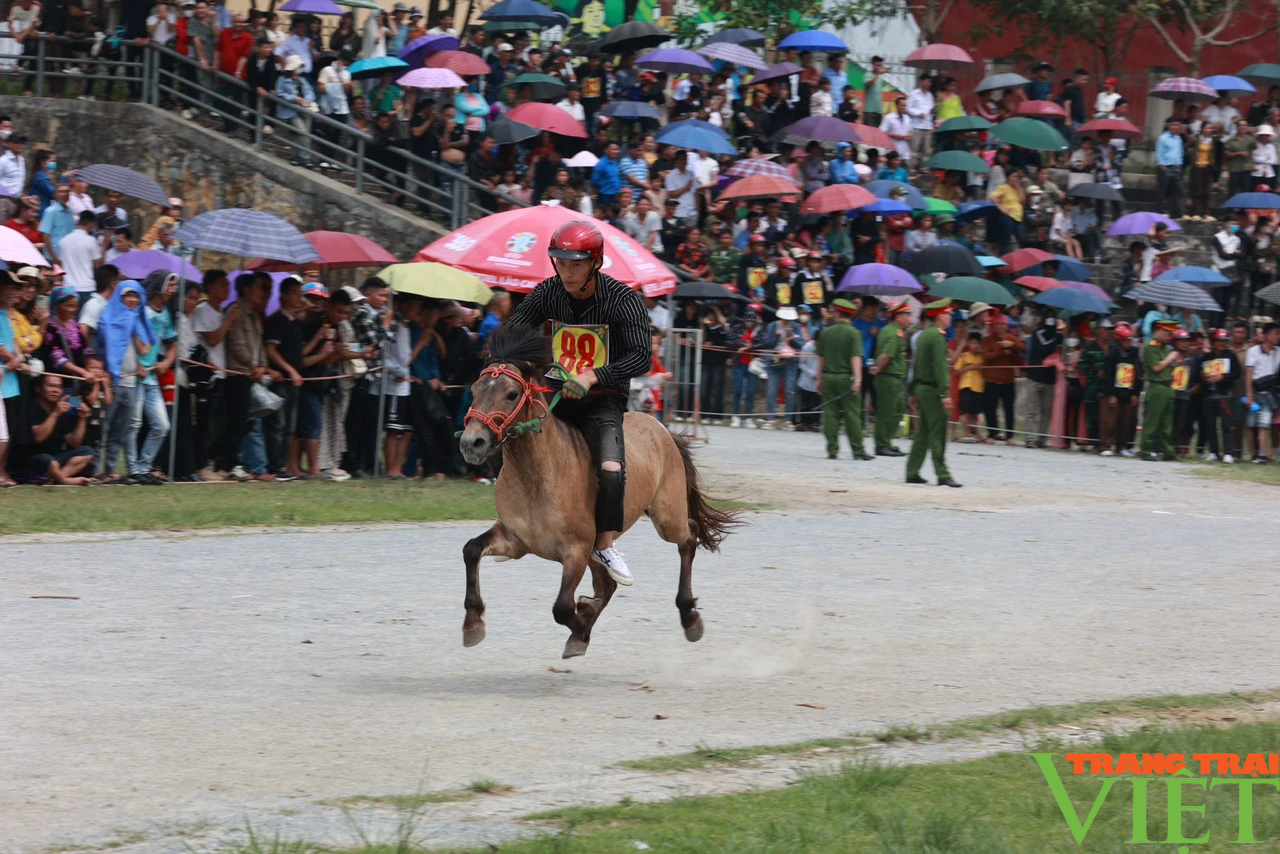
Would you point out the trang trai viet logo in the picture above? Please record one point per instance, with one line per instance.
(1166, 781)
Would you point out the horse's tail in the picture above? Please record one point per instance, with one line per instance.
(710, 525)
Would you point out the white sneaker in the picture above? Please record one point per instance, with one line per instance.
(1228, 459)
(335, 474)
(1128, 452)
(1210, 458)
(735, 421)
(1107, 454)
(187, 114)
(753, 424)
(617, 567)
(239, 473)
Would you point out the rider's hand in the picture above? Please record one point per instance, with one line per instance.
(586, 380)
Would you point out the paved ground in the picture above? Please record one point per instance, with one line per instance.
(200, 681)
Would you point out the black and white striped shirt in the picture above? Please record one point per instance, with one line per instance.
(617, 306)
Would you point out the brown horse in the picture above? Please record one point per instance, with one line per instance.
(546, 492)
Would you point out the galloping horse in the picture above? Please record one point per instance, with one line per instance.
(546, 492)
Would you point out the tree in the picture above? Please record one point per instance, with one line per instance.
(780, 18)
(1204, 21)
(1108, 27)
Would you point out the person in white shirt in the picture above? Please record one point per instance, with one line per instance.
(572, 104)
(644, 225)
(1104, 106)
(820, 102)
(1222, 113)
(121, 244)
(920, 106)
(1264, 156)
(112, 208)
(13, 166)
(80, 200)
(209, 322)
(24, 21)
(81, 253)
(1261, 365)
(445, 27)
(162, 25)
(898, 126)
(681, 184)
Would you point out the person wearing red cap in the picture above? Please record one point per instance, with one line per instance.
(1219, 372)
(582, 304)
(1104, 106)
(1158, 363)
(930, 384)
(1118, 402)
(753, 269)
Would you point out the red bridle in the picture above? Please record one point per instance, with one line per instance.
(500, 422)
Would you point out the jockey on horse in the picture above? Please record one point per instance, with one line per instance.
(600, 335)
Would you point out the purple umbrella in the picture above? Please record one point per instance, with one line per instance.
(878, 280)
(1140, 223)
(418, 49)
(140, 263)
(675, 61)
(313, 7)
(825, 128)
(1184, 89)
(1089, 288)
(431, 78)
(733, 54)
(276, 278)
(779, 69)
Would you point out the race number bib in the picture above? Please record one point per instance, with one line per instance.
(1124, 375)
(1181, 378)
(784, 294)
(757, 276)
(577, 348)
(1217, 367)
(591, 88)
(813, 292)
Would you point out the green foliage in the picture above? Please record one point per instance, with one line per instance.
(779, 18)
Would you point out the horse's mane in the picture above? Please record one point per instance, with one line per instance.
(524, 345)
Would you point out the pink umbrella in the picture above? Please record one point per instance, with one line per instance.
(1184, 89)
(1045, 109)
(838, 197)
(1118, 128)
(18, 251)
(547, 117)
(759, 166)
(939, 57)
(459, 62)
(872, 136)
(431, 78)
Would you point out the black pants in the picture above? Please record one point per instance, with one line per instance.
(1239, 182)
(235, 396)
(1225, 412)
(713, 371)
(279, 427)
(362, 430)
(182, 432)
(432, 429)
(999, 395)
(1171, 189)
(599, 417)
(209, 423)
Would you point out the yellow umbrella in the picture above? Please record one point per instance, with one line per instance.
(437, 281)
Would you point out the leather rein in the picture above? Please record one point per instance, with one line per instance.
(499, 422)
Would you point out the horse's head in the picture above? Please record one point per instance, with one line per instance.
(507, 391)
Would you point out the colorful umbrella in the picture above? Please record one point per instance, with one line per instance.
(247, 233)
(675, 61)
(745, 37)
(958, 161)
(814, 40)
(1069, 268)
(989, 261)
(969, 288)
(633, 36)
(1226, 84)
(974, 211)
(338, 250)
(703, 290)
(887, 206)
(542, 87)
(777, 71)
(885, 187)
(141, 263)
(758, 166)
(313, 7)
(435, 281)
(1101, 192)
(1142, 222)
(584, 159)
(18, 251)
(1184, 89)
(1068, 299)
(423, 46)
(939, 206)
(1024, 258)
(1271, 293)
(1255, 201)
(952, 260)
(460, 62)
(547, 117)
(1202, 276)
(1091, 289)
(696, 135)
(1046, 109)
(1261, 73)
(963, 123)
(871, 136)
(509, 250)
(759, 187)
(504, 131)
(1118, 128)
(733, 54)
(631, 110)
(523, 10)
(431, 78)
(511, 26)
(938, 57)
(878, 280)
(1029, 133)
(1006, 80)
(822, 128)
(124, 181)
(1037, 283)
(837, 197)
(376, 67)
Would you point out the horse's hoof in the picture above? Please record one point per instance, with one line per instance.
(573, 648)
(693, 633)
(473, 637)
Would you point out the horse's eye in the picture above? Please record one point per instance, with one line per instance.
(511, 396)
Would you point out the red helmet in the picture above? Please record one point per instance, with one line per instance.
(577, 240)
(1122, 332)
(786, 262)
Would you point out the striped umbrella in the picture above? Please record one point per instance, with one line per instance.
(123, 180)
(733, 53)
(1184, 89)
(1174, 293)
(1068, 299)
(247, 233)
(631, 110)
(1271, 293)
(744, 37)
(759, 166)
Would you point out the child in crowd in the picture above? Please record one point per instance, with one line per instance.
(968, 366)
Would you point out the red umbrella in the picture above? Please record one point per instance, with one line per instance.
(338, 251)
(459, 62)
(838, 197)
(1119, 128)
(872, 136)
(1038, 283)
(547, 117)
(758, 186)
(938, 57)
(1041, 108)
(509, 250)
(759, 166)
(1024, 258)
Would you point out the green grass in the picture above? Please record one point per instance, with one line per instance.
(404, 803)
(703, 755)
(485, 786)
(1268, 474)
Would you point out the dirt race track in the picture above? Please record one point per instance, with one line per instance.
(200, 681)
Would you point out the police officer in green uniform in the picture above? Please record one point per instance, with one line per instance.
(930, 385)
(840, 369)
(1158, 361)
(890, 371)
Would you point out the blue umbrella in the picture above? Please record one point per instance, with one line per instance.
(990, 261)
(815, 40)
(522, 10)
(1069, 299)
(1266, 201)
(883, 188)
(974, 211)
(886, 206)
(697, 135)
(878, 280)
(375, 67)
(1068, 268)
(1202, 276)
(418, 49)
(675, 61)
(248, 233)
(631, 110)
(1230, 85)
(739, 35)
(125, 181)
